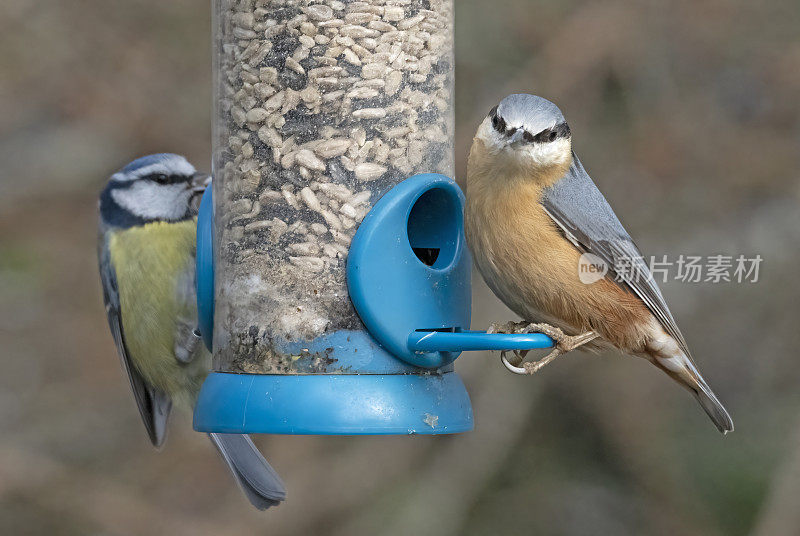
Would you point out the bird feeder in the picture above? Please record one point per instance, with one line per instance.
(333, 276)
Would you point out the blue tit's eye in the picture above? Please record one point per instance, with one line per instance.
(552, 136)
(160, 178)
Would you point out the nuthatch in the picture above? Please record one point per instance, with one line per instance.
(532, 211)
(146, 251)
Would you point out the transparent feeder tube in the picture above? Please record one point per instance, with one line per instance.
(320, 108)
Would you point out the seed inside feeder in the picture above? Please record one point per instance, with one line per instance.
(320, 109)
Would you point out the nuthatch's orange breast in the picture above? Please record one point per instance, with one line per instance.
(526, 260)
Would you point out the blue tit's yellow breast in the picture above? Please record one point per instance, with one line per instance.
(150, 262)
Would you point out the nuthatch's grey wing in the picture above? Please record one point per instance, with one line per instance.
(154, 405)
(588, 221)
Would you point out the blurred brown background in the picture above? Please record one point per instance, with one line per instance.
(685, 114)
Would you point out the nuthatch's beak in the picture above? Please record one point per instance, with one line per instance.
(516, 136)
(200, 182)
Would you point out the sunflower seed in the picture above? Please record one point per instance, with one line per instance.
(368, 171)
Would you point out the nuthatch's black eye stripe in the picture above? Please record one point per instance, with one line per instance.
(498, 123)
(549, 134)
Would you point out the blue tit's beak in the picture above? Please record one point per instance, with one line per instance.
(199, 183)
(197, 186)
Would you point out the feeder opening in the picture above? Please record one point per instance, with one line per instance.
(433, 228)
(427, 255)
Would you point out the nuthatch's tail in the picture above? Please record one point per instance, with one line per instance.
(258, 480)
(683, 371)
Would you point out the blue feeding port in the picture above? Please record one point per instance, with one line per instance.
(464, 341)
(205, 267)
(409, 268)
(408, 276)
(413, 292)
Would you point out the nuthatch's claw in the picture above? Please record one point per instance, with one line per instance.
(513, 367)
(532, 367)
(508, 327)
(564, 343)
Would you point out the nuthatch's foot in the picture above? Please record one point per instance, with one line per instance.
(564, 343)
(508, 327)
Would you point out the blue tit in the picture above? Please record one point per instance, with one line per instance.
(146, 252)
(533, 216)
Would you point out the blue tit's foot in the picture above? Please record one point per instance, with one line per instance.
(564, 343)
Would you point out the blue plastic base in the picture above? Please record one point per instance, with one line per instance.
(340, 404)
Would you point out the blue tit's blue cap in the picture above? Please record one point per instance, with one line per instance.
(149, 160)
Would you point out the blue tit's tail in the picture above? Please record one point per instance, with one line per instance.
(258, 480)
